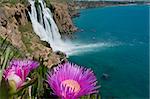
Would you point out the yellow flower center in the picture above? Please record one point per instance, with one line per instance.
(74, 85)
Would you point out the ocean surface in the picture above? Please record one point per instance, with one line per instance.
(121, 35)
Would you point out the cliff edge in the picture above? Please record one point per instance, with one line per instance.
(16, 27)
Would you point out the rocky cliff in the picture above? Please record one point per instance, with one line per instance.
(93, 4)
(63, 17)
(16, 27)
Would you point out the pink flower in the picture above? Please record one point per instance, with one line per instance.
(18, 70)
(69, 81)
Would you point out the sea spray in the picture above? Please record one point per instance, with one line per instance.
(45, 27)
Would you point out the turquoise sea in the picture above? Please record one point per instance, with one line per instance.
(124, 34)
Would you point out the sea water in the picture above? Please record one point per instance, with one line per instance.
(125, 29)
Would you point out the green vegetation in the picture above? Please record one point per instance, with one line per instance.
(48, 2)
(39, 88)
(26, 39)
(57, 0)
(4, 44)
(26, 28)
(5, 56)
(14, 1)
(7, 52)
(26, 33)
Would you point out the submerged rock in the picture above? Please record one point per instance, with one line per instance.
(105, 76)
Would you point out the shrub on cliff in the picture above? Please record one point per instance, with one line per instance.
(14, 1)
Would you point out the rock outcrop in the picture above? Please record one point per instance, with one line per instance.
(63, 18)
(14, 26)
(10, 18)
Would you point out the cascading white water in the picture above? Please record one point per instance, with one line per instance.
(46, 28)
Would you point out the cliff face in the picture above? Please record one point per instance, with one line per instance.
(63, 18)
(10, 18)
(93, 4)
(14, 26)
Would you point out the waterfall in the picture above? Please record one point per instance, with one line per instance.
(45, 27)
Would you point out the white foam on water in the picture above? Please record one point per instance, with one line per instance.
(47, 30)
(83, 48)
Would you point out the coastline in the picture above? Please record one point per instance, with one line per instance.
(19, 32)
(93, 4)
(90, 58)
(76, 9)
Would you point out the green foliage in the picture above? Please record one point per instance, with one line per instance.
(61, 1)
(39, 88)
(27, 35)
(35, 85)
(4, 58)
(48, 3)
(26, 28)
(14, 1)
(6, 54)
(4, 90)
(27, 41)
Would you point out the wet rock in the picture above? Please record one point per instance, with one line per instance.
(46, 44)
(61, 54)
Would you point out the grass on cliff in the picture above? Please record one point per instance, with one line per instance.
(27, 35)
(26, 28)
(14, 1)
(61, 1)
(48, 2)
